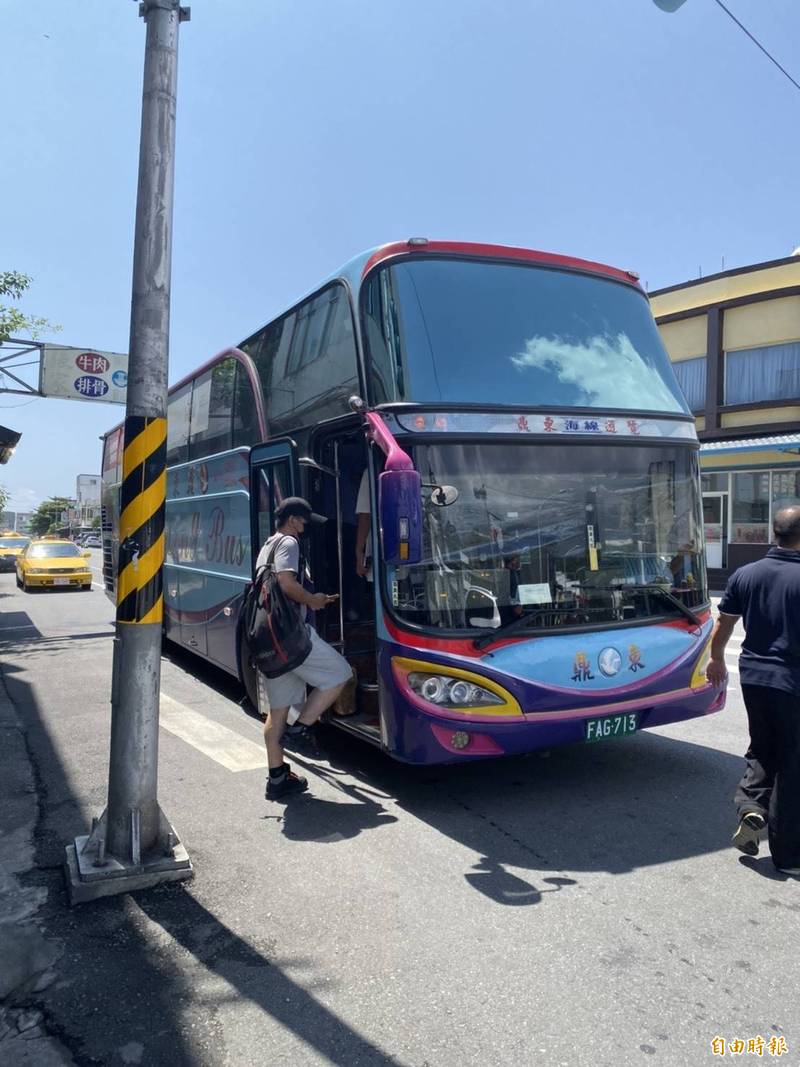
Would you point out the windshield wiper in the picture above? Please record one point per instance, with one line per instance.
(516, 625)
(509, 628)
(654, 587)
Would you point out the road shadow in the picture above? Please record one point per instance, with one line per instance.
(259, 976)
(310, 818)
(764, 866)
(29, 641)
(124, 992)
(17, 626)
(614, 807)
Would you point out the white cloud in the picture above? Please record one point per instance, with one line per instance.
(23, 499)
(607, 371)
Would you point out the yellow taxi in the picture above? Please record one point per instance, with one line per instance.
(48, 563)
(11, 544)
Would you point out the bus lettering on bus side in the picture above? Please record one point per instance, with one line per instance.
(221, 547)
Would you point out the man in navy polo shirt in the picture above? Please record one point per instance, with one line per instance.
(766, 595)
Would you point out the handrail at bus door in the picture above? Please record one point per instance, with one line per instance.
(335, 473)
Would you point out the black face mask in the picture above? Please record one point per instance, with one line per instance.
(305, 532)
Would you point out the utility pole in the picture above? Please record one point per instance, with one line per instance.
(133, 846)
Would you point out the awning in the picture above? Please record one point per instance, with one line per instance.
(8, 442)
(782, 442)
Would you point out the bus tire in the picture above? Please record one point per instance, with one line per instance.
(247, 672)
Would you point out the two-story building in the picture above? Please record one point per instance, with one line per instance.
(734, 339)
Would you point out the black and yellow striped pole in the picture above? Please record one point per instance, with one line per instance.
(133, 845)
(141, 523)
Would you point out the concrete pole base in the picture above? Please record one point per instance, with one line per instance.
(91, 872)
(116, 878)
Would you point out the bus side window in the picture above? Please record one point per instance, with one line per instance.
(180, 405)
(321, 366)
(273, 486)
(386, 378)
(212, 401)
(245, 414)
(268, 350)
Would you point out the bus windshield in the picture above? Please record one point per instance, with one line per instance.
(560, 535)
(465, 331)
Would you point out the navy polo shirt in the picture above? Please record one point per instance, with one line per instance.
(767, 596)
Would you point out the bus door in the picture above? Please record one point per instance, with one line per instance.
(336, 491)
(274, 475)
(324, 495)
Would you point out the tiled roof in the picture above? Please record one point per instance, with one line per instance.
(782, 442)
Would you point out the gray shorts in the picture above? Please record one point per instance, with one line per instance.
(323, 668)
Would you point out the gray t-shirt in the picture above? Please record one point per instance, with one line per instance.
(286, 558)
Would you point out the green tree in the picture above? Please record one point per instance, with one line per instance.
(47, 517)
(12, 321)
(3, 498)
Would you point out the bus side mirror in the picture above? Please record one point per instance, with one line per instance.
(401, 516)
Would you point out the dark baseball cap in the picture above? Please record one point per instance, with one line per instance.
(295, 505)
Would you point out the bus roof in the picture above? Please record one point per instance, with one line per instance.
(355, 270)
(473, 250)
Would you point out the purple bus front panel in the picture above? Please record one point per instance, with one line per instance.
(543, 711)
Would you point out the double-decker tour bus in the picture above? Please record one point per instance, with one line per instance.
(536, 572)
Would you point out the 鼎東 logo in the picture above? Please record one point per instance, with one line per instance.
(610, 662)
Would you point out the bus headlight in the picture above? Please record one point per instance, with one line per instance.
(451, 688)
(455, 692)
(464, 693)
(431, 687)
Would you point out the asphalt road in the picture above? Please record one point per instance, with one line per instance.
(583, 908)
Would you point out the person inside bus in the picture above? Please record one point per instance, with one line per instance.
(363, 550)
(513, 609)
(681, 566)
(323, 669)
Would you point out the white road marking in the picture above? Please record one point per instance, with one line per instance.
(224, 746)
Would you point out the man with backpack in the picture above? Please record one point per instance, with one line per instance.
(322, 668)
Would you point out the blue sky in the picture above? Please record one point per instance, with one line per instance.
(309, 130)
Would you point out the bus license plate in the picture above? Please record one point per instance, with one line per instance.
(610, 726)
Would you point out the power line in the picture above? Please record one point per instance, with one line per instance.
(769, 56)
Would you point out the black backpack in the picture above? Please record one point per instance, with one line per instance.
(276, 636)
